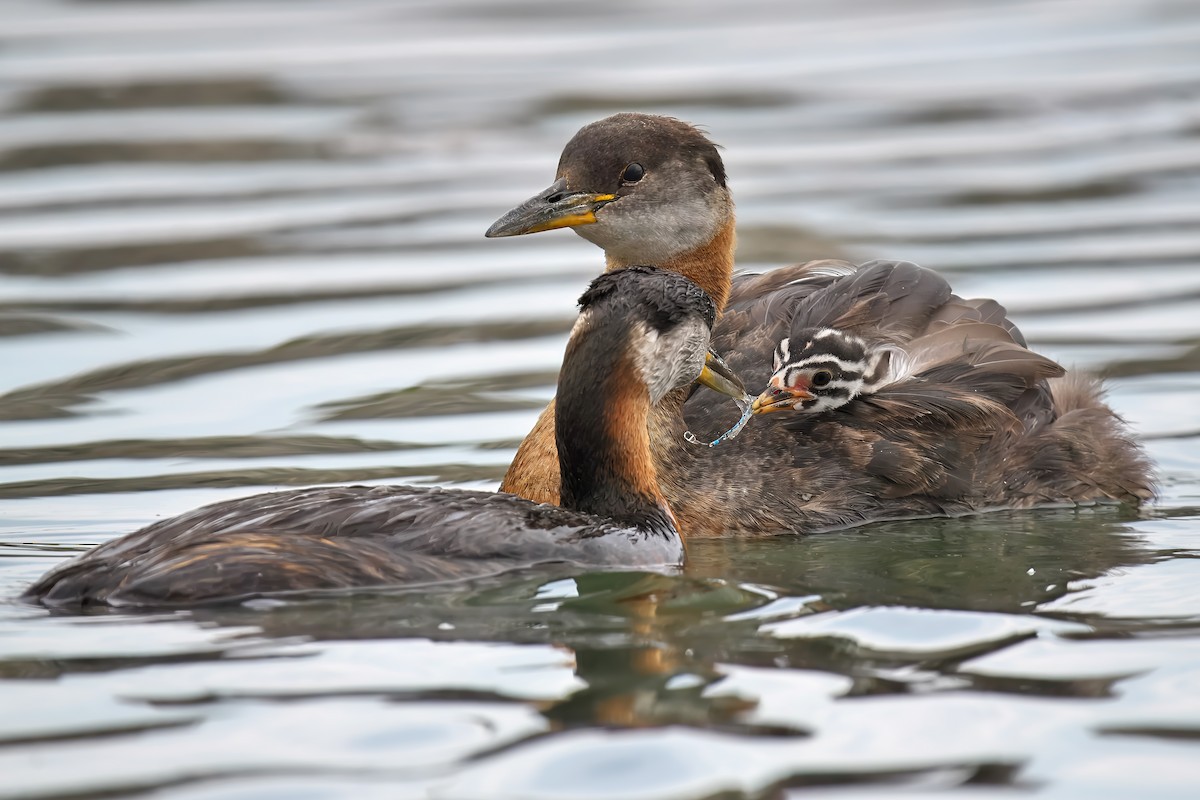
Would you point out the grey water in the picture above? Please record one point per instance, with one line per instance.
(241, 248)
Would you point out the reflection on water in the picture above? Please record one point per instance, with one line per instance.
(241, 247)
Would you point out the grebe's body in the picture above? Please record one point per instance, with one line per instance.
(992, 427)
(641, 335)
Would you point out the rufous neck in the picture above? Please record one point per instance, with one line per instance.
(602, 435)
(710, 266)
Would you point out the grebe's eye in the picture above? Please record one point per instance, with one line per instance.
(821, 377)
(633, 173)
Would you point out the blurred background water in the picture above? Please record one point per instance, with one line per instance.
(241, 248)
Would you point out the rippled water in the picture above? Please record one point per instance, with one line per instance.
(241, 248)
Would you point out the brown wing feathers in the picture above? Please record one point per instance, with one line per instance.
(984, 346)
(967, 377)
(892, 297)
(968, 422)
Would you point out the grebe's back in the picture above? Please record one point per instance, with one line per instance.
(642, 333)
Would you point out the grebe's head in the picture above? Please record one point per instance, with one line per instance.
(657, 321)
(642, 332)
(821, 369)
(645, 188)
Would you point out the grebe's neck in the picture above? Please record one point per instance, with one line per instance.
(601, 430)
(710, 265)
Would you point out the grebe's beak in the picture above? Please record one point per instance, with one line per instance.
(717, 376)
(773, 399)
(556, 207)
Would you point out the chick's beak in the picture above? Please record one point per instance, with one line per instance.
(718, 376)
(556, 207)
(775, 399)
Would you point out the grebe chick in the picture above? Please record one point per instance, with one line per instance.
(828, 369)
(641, 334)
(653, 190)
(849, 340)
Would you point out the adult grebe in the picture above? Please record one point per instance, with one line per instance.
(641, 334)
(650, 189)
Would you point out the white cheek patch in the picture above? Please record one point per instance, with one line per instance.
(638, 229)
(645, 351)
(672, 359)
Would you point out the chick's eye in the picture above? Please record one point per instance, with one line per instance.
(822, 378)
(633, 173)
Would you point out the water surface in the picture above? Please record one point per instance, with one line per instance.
(241, 248)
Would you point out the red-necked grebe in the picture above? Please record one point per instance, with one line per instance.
(642, 334)
(652, 190)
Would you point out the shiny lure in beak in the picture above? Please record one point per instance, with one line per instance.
(717, 376)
